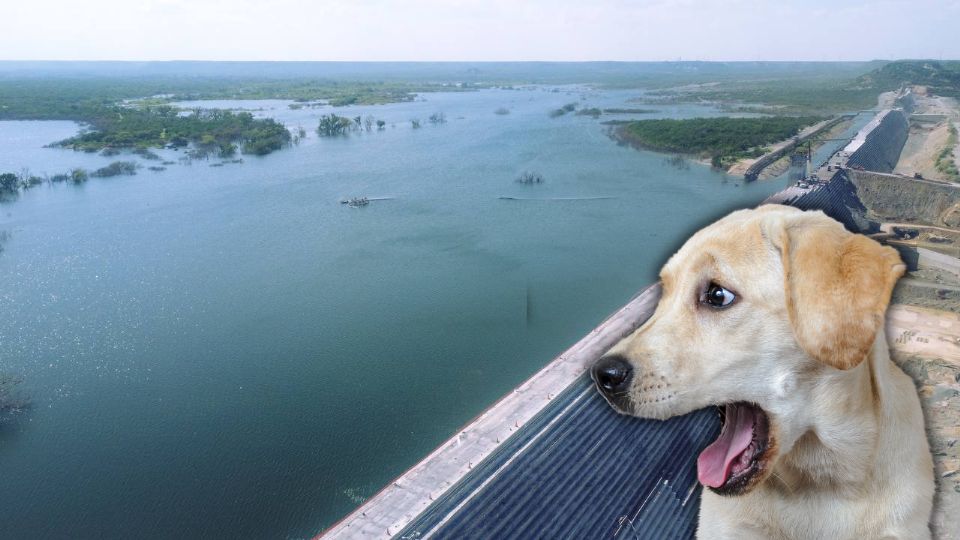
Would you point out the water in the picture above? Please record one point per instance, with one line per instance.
(230, 352)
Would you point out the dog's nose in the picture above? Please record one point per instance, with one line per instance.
(612, 374)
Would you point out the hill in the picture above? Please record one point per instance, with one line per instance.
(941, 78)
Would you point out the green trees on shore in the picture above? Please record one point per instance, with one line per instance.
(720, 139)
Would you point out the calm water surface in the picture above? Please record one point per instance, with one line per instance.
(230, 352)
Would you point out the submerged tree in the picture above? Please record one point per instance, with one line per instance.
(530, 178)
(438, 118)
(332, 125)
(117, 168)
(9, 183)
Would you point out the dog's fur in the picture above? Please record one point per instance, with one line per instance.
(804, 340)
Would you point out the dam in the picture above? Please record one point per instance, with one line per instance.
(877, 146)
(552, 460)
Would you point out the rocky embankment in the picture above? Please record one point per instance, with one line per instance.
(888, 197)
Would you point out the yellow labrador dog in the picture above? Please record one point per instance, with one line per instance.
(776, 315)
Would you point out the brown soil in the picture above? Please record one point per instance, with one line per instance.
(920, 152)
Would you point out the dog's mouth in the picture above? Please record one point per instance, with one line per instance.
(733, 462)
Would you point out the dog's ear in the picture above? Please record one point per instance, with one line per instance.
(837, 285)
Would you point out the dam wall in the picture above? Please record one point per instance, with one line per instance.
(837, 197)
(877, 146)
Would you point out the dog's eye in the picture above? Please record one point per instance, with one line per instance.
(718, 297)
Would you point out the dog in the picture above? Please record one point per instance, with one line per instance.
(776, 316)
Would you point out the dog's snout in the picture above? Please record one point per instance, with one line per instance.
(612, 374)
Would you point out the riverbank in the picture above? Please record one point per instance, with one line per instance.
(721, 140)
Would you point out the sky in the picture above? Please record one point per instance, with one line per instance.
(478, 30)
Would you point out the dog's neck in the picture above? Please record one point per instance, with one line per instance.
(831, 453)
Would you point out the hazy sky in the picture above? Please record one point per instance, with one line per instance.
(477, 29)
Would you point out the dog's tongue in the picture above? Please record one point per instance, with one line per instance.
(713, 465)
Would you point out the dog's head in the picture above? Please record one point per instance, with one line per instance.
(757, 309)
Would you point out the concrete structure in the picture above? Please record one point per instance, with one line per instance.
(877, 146)
(396, 505)
(929, 259)
(769, 158)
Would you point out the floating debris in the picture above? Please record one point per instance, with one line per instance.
(355, 202)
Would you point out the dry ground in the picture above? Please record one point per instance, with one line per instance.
(923, 330)
(926, 343)
(920, 152)
(927, 139)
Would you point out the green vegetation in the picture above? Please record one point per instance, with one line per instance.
(785, 97)
(568, 108)
(332, 125)
(208, 130)
(946, 160)
(940, 78)
(117, 168)
(723, 140)
(594, 112)
(82, 98)
(11, 184)
(629, 111)
(821, 91)
(121, 114)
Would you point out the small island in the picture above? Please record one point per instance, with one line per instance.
(209, 131)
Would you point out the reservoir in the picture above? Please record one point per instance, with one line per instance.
(228, 351)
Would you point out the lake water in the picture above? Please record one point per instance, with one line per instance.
(230, 352)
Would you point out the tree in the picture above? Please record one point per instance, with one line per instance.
(368, 122)
(332, 125)
(9, 183)
(380, 125)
